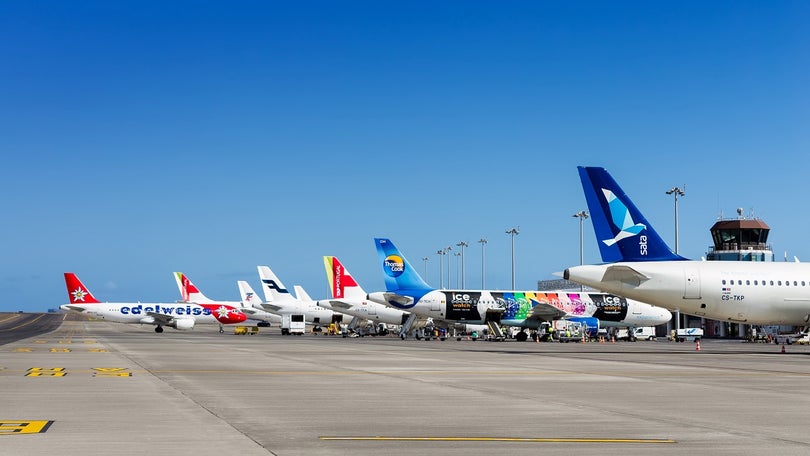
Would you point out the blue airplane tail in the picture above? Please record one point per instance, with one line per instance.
(622, 232)
(397, 271)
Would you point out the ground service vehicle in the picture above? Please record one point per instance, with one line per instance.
(293, 324)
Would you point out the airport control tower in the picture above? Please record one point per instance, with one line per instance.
(740, 239)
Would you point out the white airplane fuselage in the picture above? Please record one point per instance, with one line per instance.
(764, 293)
(135, 313)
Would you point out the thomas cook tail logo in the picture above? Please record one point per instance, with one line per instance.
(621, 218)
(393, 265)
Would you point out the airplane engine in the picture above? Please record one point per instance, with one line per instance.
(591, 323)
(182, 323)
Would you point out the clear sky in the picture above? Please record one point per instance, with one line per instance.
(141, 138)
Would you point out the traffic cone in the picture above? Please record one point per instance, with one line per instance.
(783, 348)
(697, 347)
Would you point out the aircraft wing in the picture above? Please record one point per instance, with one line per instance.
(271, 307)
(338, 304)
(545, 311)
(624, 274)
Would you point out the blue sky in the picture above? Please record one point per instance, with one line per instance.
(141, 138)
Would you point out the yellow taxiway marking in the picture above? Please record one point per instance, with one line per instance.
(24, 324)
(23, 427)
(498, 439)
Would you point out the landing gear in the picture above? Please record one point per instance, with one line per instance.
(221, 329)
(158, 329)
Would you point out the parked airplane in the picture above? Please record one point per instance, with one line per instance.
(278, 300)
(349, 298)
(174, 315)
(190, 293)
(406, 290)
(641, 266)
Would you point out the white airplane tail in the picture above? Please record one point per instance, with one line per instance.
(188, 291)
(248, 296)
(301, 294)
(272, 287)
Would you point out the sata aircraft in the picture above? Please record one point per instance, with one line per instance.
(406, 290)
(190, 293)
(641, 266)
(174, 315)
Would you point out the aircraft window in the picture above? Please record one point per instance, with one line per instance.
(795, 284)
(756, 282)
(748, 282)
(780, 283)
(771, 282)
(724, 281)
(802, 282)
(739, 282)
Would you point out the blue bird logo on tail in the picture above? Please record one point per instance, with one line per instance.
(621, 218)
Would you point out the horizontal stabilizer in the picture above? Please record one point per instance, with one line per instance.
(75, 308)
(271, 307)
(398, 299)
(340, 304)
(545, 311)
(624, 274)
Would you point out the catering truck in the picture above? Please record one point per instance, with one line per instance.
(293, 324)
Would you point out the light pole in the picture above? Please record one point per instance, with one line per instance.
(581, 215)
(458, 267)
(441, 268)
(483, 242)
(426, 259)
(513, 232)
(447, 252)
(677, 192)
(462, 244)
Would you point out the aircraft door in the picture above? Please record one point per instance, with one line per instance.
(691, 284)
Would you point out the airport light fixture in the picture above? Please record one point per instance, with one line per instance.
(677, 192)
(458, 267)
(441, 268)
(513, 232)
(462, 244)
(483, 242)
(447, 252)
(426, 259)
(581, 215)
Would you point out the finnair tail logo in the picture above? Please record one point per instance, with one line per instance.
(621, 218)
(271, 284)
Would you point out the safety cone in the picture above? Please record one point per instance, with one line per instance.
(783, 348)
(697, 347)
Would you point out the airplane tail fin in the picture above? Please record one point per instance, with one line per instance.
(341, 283)
(272, 287)
(623, 233)
(397, 271)
(77, 292)
(247, 295)
(301, 294)
(188, 291)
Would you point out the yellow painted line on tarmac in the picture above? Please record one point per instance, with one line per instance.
(24, 324)
(496, 439)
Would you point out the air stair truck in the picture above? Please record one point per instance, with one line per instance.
(292, 324)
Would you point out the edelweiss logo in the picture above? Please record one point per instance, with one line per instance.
(222, 312)
(78, 294)
(621, 218)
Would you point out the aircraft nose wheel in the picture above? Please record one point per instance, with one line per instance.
(158, 329)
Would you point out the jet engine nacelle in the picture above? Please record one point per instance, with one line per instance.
(182, 323)
(591, 323)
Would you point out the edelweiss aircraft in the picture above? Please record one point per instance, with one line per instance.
(278, 300)
(190, 293)
(349, 298)
(174, 315)
(406, 290)
(641, 266)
